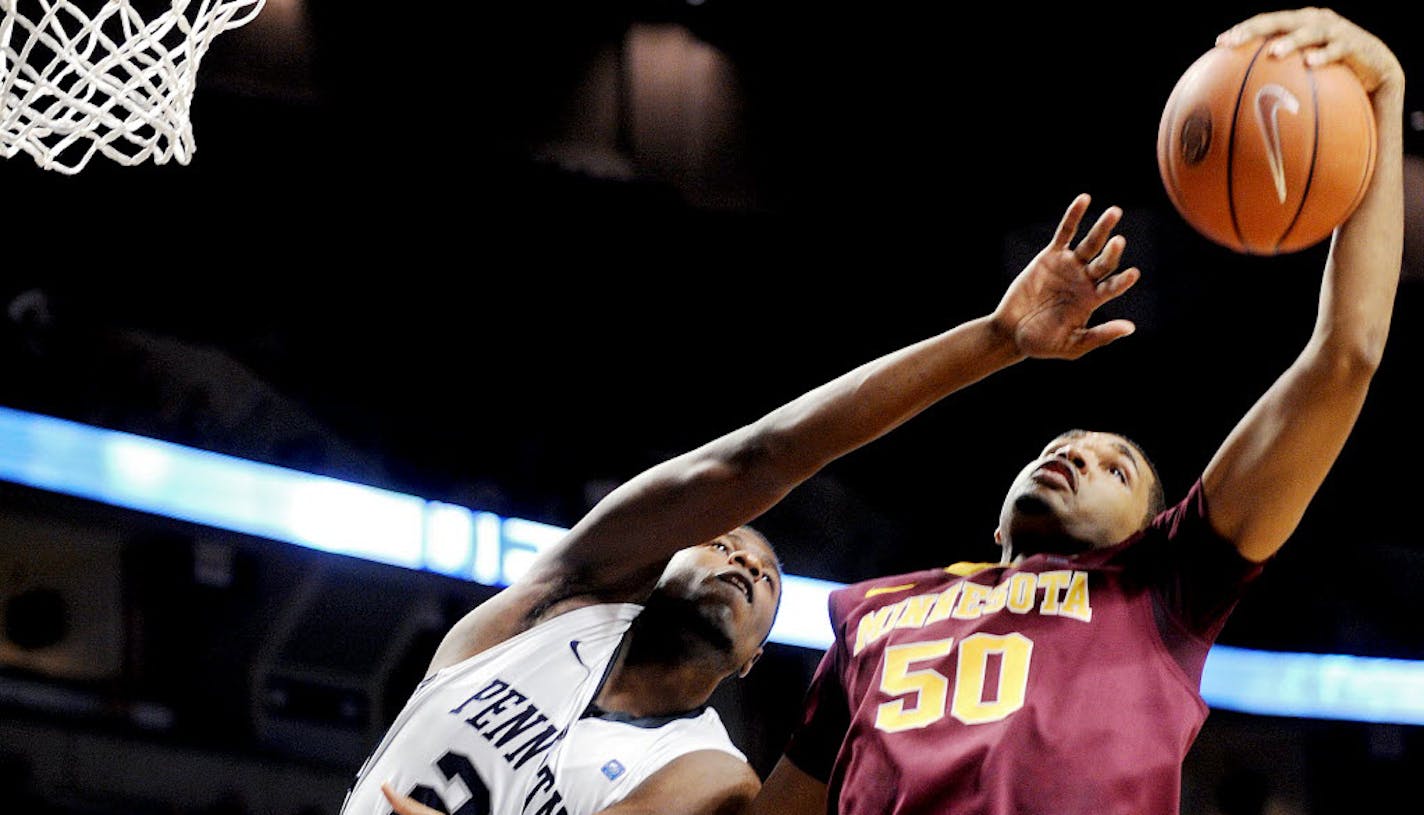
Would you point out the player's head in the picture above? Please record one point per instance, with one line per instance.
(731, 586)
(1086, 490)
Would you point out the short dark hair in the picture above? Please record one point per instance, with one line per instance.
(1157, 495)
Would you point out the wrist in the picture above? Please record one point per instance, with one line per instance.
(1000, 339)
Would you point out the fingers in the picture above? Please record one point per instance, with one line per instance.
(1100, 251)
(1098, 236)
(1114, 285)
(403, 805)
(1323, 37)
(390, 794)
(1269, 24)
(1068, 227)
(1317, 36)
(1100, 335)
(1102, 259)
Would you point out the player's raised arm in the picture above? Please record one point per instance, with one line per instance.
(1260, 482)
(619, 549)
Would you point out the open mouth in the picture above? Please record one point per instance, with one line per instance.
(1060, 468)
(740, 581)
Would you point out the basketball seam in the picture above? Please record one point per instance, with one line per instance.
(1314, 155)
(1231, 148)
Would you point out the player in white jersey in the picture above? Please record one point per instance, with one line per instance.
(599, 704)
(662, 591)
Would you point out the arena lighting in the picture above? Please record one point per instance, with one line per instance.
(330, 515)
(1315, 686)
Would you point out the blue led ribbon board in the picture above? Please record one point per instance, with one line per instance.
(318, 512)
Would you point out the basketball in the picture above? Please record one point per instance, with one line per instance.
(1265, 155)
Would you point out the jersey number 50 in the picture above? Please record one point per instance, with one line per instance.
(971, 703)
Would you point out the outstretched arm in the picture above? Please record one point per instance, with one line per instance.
(1260, 482)
(619, 549)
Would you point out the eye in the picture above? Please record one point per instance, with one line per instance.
(720, 546)
(1118, 472)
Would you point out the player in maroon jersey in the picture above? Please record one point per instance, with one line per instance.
(1064, 679)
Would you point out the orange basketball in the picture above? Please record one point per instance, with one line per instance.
(1265, 155)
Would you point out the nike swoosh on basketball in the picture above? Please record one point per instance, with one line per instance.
(1269, 101)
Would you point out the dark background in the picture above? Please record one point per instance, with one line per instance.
(508, 258)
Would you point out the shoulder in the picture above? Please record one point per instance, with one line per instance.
(658, 740)
(905, 581)
(703, 782)
(1183, 526)
(1189, 514)
(855, 598)
(490, 629)
(708, 732)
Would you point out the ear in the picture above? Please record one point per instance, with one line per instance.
(747, 666)
(1003, 549)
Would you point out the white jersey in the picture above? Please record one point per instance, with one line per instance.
(605, 758)
(478, 737)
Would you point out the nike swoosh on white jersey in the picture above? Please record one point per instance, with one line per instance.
(574, 646)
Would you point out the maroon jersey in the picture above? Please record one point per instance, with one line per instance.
(1056, 686)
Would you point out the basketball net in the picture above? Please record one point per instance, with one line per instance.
(115, 84)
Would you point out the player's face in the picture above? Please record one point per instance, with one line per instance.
(735, 578)
(1085, 490)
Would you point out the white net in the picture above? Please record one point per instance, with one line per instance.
(112, 81)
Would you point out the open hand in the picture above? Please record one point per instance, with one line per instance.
(1046, 309)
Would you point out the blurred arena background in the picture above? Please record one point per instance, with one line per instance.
(503, 257)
